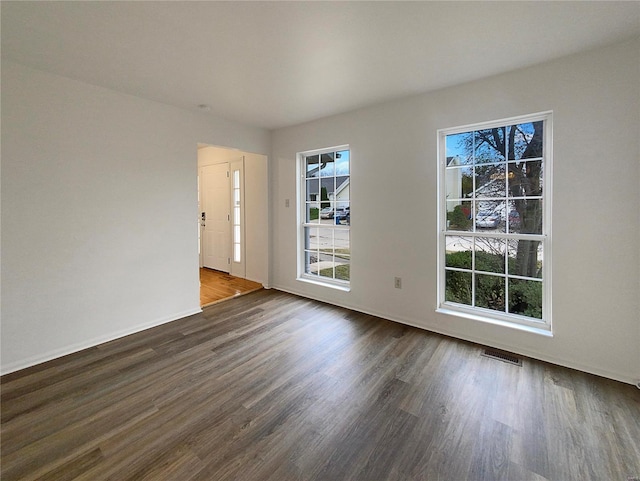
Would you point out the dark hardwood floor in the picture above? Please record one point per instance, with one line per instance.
(271, 386)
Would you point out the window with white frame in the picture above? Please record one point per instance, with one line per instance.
(237, 225)
(324, 246)
(494, 221)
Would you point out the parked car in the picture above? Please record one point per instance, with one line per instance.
(342, 215)
(514, 219)
(347, 216)
(487, 219)
(327, 213)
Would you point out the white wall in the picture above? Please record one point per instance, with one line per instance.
(210, 155)
(99, 209)
(256, 199)
(595, 98)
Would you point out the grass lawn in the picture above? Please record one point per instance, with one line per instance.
(342, 272)
(340, 253)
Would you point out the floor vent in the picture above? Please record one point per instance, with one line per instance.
(502, 356)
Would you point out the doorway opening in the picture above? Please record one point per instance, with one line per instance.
(217, 286)
(232, 222)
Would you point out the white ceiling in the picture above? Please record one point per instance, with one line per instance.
(274, 64)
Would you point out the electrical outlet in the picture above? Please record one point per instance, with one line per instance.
(286, 202)
(397, 282)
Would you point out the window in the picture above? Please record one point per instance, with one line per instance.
(325, 217)
(237, 231)
(494, 221)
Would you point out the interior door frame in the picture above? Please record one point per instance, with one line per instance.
(255, 203)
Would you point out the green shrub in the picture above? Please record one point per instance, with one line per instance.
(490, 292)
(457, 219)
(525, 296)
(458, 287)
(461, 259)
(488, 262)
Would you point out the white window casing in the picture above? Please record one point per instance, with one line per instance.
(324, 217)
(494, 222)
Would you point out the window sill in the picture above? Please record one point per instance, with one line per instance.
(541, 331)
(339, 287)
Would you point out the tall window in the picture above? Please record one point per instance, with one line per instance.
(494, 215)
(325, 216)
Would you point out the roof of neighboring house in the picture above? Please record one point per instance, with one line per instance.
(327, 183)
(342, 186)
(453, 160)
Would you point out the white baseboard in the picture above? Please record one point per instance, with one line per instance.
(627, 379)
(48, 356)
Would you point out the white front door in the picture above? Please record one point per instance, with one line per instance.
(216, 233)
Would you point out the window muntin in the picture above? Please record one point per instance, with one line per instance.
(494, 205)
(325, 216)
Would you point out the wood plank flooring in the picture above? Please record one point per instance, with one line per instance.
(216, 286)
(271, 386)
